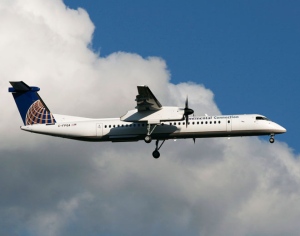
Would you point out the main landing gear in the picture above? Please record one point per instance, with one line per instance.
(156, 153)
(272, 139)
(148, 138)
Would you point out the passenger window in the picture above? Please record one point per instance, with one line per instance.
(183, 123)
(228, 121)
(178, 123)
(205, 122)
(198, 123)
(105, 126)
(109, 126)
(193, 123)
(219, 122)
(215, 122)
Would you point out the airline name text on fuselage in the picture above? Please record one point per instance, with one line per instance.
(213, 117)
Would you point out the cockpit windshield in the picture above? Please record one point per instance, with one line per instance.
(261, 118)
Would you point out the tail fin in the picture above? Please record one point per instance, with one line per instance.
(31, 107)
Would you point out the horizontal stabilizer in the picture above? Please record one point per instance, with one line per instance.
(20, 86)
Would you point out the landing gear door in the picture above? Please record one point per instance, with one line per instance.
(228, 125)
(99, 130)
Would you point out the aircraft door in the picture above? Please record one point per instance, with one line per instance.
(228, 125)
(99, 129)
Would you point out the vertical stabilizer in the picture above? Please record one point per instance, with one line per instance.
(31, 107)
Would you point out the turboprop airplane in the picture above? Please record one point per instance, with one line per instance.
(149, 120)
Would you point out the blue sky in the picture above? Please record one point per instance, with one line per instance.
(246, 52)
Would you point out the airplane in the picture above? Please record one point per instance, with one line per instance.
(148, 121)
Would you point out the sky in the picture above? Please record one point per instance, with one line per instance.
(246, 52)
(88, 57)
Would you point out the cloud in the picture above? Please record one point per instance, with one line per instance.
(52, 186)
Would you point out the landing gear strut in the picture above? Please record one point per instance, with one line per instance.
(148, 138)
(272, 140)
(156, 153)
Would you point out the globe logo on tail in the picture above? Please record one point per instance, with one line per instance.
(38, 114)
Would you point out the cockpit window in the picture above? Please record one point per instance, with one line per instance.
(261, 118)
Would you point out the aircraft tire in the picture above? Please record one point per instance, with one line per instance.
(148, 139)
(272, 140)
(156, 154)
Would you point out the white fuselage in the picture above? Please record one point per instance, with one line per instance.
(116, 130)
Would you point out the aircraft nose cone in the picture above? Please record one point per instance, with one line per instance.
(283, 129)
(280, 129)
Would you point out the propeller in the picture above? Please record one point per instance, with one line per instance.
(187, 111)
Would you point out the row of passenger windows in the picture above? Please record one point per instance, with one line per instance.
(174, 123)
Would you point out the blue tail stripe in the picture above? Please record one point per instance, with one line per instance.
(24, 101)
(31, 107)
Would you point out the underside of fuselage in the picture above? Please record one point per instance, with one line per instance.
(166, 136)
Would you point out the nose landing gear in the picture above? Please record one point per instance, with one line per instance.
(272, 139)
(156, 153)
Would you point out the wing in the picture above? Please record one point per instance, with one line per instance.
(146, 100)
(150, 110)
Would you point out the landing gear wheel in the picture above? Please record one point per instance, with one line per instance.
(272, 140)
(148, 139)
(156, 154)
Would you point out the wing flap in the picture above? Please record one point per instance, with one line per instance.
(146, 100)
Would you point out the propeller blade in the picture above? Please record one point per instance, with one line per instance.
(187, 111)
(186, 102)
(186, 120)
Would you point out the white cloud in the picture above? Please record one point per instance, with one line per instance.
(51, 186)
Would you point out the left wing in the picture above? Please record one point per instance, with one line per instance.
(150, 110)
(145, 100)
